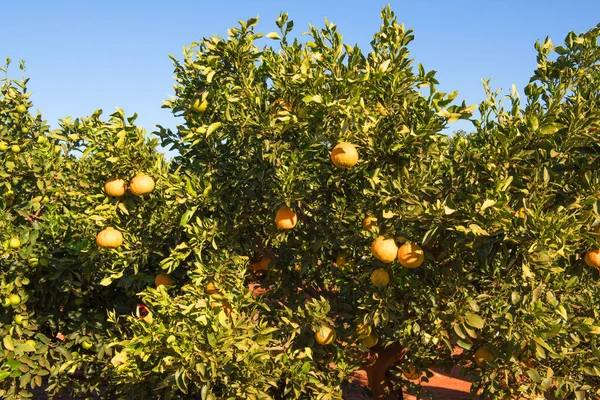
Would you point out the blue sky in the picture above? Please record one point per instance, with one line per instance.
(82, 55)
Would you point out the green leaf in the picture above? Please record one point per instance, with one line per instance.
(316, 98)
(106, 281)
(273, 35)
(550, 128)
(213, 127)
(474, 320)
(8, 343)
(487, 204)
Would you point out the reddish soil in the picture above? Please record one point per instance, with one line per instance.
(444, 386)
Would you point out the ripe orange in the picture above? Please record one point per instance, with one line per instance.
(412, 373)
(362, 330)
(325, 335)
(261, 265)
(368, 224)
(592, 258)
(384, 250)
(343, 262)
(225, 306)
(482, 356)
(344, 155)
(285, 218)
(369, 341)
(211, 289)
(163, 279)
(115, 187)
(380, 278)
(109, 238)
(410, 255)
(141, 184)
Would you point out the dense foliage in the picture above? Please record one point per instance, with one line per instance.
(504, 216)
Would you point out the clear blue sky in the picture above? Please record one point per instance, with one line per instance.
(83, 55)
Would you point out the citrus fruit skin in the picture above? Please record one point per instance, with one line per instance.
(412, 373)
(385, 250)
(343, 262)
(369, 341)
(325, 335)
(86, 345)
(261, 265)
(285, 218)
(21, 109)
(141, 184)
(380, 278)
(363, 330)
(163, 279)
(200, 106)
(410, 255)
(15, 299)
(344, 155)
(592, 258)
(211, 289)
(3, 146)
(368, 224)
(14, 243)
(115, 187)
(109, 238)
(483, 355)
(15, 148)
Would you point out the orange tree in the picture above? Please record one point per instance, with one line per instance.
(427, 243)
(314, 221)
(56, 282)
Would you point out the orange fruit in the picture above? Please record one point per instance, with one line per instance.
(380, 278)
(412, 373)
(363, 330)
(410, 255)
(344, 155)
(483, 355)
(109, 238)
(285, 218)
(261, 265)
(592, 258)
(384, 250)
(368, 224)
(14, 243)
(115, 187)
(325, 335)
(342, 261)
(141, 184)
(211, 289)
(163, 279)
(369, 341)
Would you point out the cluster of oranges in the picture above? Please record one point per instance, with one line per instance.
(344, 155)
(111, 238)
(141, 184)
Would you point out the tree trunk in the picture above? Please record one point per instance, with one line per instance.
(376, 370)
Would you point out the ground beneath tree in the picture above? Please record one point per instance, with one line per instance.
(444, 386)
